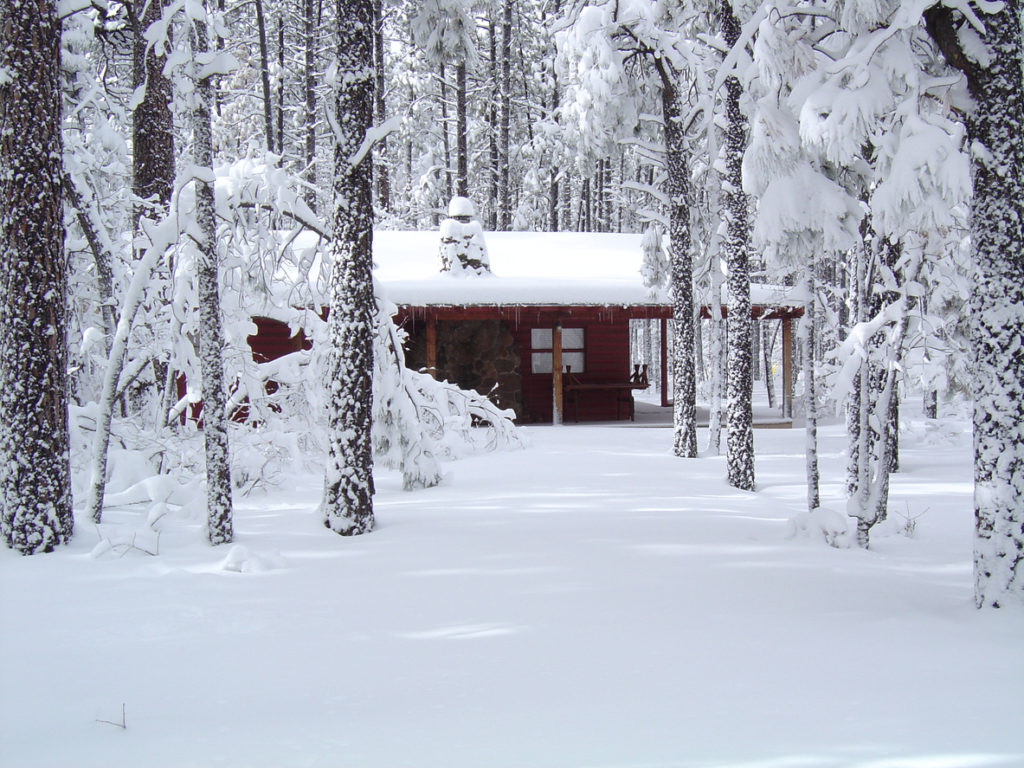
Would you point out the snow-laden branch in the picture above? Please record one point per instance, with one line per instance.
(162, 238)
(373, 136)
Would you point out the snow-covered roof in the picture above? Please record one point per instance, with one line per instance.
(530, 269)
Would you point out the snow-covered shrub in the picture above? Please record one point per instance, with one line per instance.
(822, 524)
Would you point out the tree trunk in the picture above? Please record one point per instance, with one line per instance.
(445, 141)
(505, 184)
(930, 406)
(767, 347)
(102, 259)
(681, 260)
(268, 107)
(553, 192)
(219, 524)
(280, 83)
(998, 249)
(347, 505)
(152, 123)
(309, 92)
(112, 377)
(35, 472)
(461, 133)
(740, 434)
(380, 108)
(153, 159)
(492, 128)
(811, 392)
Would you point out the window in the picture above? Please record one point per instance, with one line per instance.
(572, 350)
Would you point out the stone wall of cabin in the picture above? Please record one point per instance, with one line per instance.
(475, 354)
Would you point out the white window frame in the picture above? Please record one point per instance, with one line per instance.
(573, 350)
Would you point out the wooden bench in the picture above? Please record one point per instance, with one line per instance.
(572, 386)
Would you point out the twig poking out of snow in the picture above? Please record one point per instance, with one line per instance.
(123, 725)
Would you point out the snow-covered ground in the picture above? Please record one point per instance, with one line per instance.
(590, 601)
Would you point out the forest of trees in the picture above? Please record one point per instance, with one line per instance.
(158, 159)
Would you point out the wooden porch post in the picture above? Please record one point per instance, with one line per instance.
(432, 346)
(787, 368)
(664, 362)
(556, 373)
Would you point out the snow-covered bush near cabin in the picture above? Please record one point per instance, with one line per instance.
(277, 406)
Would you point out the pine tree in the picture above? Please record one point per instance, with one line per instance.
(35, 473)
(740, 385)
(348, 485)
(677, 187)
(997, 304)
(219, 525)
(152, 123)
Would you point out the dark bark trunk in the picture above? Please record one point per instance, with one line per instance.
(492, 132)
(219, 523)
(505, 184)
(35, 472)
(347, 505)
(553, 191)
(268, 108)
(931, 404)
(681, 261)
(811, 394)
(381, 172)
(997, 229)
(280, 84)
(445, 142)
(309, 93)
(461, 133)
(152, 123)
(101, 258)
(740, 433)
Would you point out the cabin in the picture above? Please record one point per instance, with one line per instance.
(543, 330)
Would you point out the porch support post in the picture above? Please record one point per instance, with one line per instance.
(432, 345)
(556, 373)
(664, 362)
(787, 368)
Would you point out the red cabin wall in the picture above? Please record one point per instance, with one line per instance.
(273, 339)
(606, 357)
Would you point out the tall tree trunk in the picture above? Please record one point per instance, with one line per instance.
(461, 133)
(740, 434)
(35, 470)
(347, 505)
(505, 184)
(381, 172)
(811, 390)
(102, 258)
(716, 329)
(309, 18)
(152, 123)
(280, 83)
(997, 229)
(133, 298)
(767, 347)
(153, 160)
(445, 142)
(492, 132)
(854, 413)
(681, 260)
(930, 404)
(268, 107)
(219, 524)
(553, 191)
